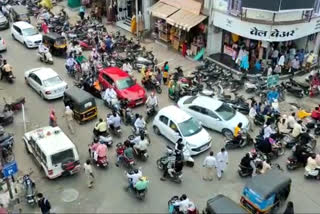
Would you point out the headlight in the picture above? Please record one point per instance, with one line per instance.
(29, 42)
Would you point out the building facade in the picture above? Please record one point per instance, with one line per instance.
(267, 23)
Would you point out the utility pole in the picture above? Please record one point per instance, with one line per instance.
(137, 17)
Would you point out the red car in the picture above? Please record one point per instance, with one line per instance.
(124, 85)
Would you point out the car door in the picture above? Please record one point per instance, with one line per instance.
(173, 132)
(163, 125)
(195, 111)
(18, 35)
(211, 119)
(32, 80)
(106, 81)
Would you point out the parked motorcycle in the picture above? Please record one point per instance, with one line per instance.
(293, 162)
(295, 91)
(15, 105)
(30, 191)
(6, 117)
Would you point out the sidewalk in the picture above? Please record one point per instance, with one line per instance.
(162, 53)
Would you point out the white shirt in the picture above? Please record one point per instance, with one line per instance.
(116, 121)
(142, 145)
(127, 67)
(222, 157)
(134, 177)
(291, 121)
(42, 48)
(183, 205)
(152, 101)
(139, 123)
(210, 162)
(275, 54)
(87, 169)
(109, 94)
(297, 130)
(267, 132)
(252, 113)
(281, 60)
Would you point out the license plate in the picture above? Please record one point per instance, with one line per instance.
(203, 147)
(139, 103)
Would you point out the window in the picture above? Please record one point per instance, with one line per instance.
(52, 81)
(209, 113)
(107, 78)
(189, 100)
(36, 149)
(37, 79)
(62, 156)
(234, 7)
(164, 119)
(125, 83)
(173, 126)
(17, 29)
(226, 112)
(190, 127)
(195, 108)
(43, 157)
(30, 31)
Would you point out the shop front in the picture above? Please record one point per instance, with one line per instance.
(263, 44)
(180, 26)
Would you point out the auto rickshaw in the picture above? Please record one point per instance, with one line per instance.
(223, 204)
(266, 192)
(56, 43)
(82, 103)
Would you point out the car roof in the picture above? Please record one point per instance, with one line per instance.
(50, 139)
(44, 73)
(79, 95)
(207, 102)
(223, 204)
(174, 113)
(115, 73)
(23, 25)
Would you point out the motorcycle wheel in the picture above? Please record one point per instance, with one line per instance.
(159, 164)
(158, 89)
(291, 167)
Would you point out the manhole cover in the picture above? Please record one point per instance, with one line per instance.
(69, 195)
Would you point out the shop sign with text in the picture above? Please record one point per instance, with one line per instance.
(272, 33)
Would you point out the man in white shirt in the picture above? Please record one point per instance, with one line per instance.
(281, 60)
(252, 115)
(43, 50)
(209, 164)
(109, 94)
(134, 178)
(139, 123)
(127, 67)
(297, 129)
(291, 121)
(184, 203)
(142, 145)
(268, 131)
(152, 100)
(115, 121)
(222, 161)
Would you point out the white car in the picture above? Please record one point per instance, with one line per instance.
(175, 124)
(26, 33)
(3, 45)
(46, 82)
(213, 114)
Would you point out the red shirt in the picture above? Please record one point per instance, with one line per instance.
(315, 114)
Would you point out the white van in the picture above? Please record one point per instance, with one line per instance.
(53, 151)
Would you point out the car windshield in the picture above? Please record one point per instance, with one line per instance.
(189, 100)
(226, 112)
(190, 127)
(125, 83)
(62, 156)
(52, 81)
(30, 31)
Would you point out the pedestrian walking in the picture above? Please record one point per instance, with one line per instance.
(88, 171)
(44, 204)
(52, 118)
(209, 164)
(82, 12)
(222, 162)
(68, 114)
(165, 74)
(252, 115)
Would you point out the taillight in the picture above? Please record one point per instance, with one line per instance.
(50, 172)
(48, 92)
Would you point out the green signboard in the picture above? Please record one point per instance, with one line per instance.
(272, 80)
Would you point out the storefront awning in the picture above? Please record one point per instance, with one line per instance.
(185, 20)
(162, 10)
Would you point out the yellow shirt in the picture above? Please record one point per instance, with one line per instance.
(303, 114)
(236, 131)
(165, 74)
(102, 127)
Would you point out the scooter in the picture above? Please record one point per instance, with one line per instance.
(314, 174)
(15, 105)
(293, 162)
(29, 187)
(151, 111)
(6, 118)
(141, 154)
(99, 161)
(244, 171)
(129, 163)
(140, 194)
(295, 91)
(234, 143)
(9, 76)
(142, 61)
(46, 57)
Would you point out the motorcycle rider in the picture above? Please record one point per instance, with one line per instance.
(177, 167)
(152, 100)
(268, 131)
(43, 50)
(248, 162)
(114, 121)
(139, 124)
(291, 120)
(134, 177)
(142, 184)
(101, 127)
(141, 145)
(312, 167)
(102, 150)
(184, 204)
(169, 165)
(297, 129)
(237, 134)
(127, 67)
(316, 113)
(6, 69)
(301, 154)
(70, 63)
(109, 94)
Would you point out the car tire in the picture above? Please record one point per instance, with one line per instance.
(156, 130)
(27, 148)
(13, 36)
(25, 44)
(26, 81)
(228, 134)
(42, 96)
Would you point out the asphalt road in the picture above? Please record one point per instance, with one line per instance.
(108, 195)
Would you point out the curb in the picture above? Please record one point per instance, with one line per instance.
(252, 76)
